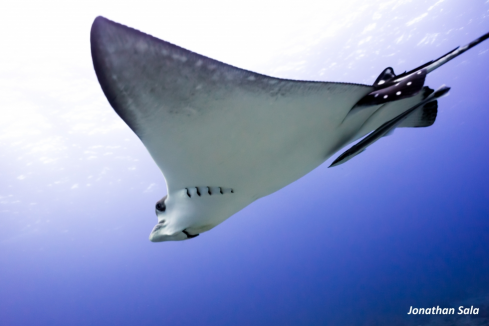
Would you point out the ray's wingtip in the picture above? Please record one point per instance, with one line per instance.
(98, 21)
(97, 24)
(101, 20)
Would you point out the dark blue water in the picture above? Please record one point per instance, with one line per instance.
(405, 223)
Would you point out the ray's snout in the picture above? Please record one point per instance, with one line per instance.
(158, 234)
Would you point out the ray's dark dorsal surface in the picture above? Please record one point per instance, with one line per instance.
(224, 137)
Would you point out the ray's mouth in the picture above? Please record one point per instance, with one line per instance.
(190, 236)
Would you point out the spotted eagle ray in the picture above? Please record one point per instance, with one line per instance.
(224, 137)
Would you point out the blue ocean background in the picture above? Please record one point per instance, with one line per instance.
(406, 223)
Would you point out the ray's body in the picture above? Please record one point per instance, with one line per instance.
(223, 136)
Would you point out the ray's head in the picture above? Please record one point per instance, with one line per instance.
(168, 227)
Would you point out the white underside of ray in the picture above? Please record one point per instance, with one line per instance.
(206, 123)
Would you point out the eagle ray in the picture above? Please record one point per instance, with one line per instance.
(224, 137)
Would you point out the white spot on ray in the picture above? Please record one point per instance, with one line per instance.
(409, 83)
(386, 96)
(381, 82)
(179, 57)
(398, 93)
(141, 46)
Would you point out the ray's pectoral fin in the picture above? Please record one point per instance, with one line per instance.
(422, 114)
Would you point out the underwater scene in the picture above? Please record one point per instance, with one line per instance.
(363, 201)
